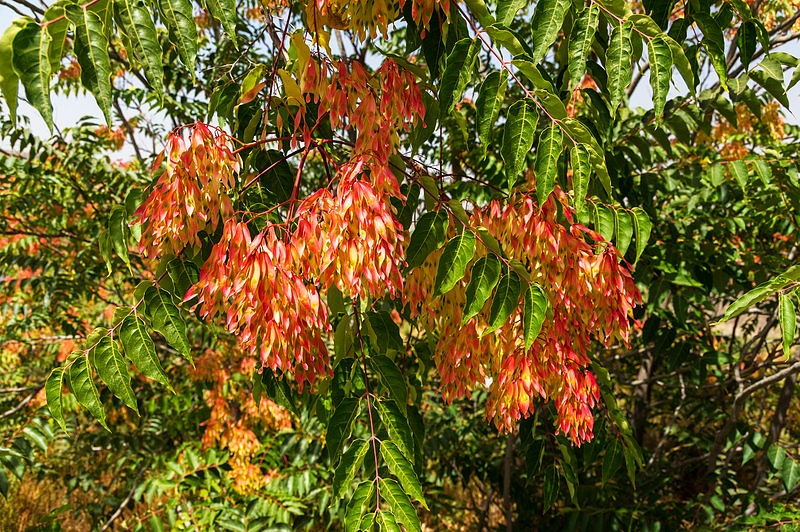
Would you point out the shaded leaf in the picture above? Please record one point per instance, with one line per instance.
(612, 460)
(790, 474)
(428, 236)
(505, 301)
(392, 378)
(484, 277)
(642, 227)
(740, 172)
(340, 424)
(457, 73)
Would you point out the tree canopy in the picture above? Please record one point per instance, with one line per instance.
(382, 265)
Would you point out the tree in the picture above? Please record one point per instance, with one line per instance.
(402, 206)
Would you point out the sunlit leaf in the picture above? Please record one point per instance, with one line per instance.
(453, 263)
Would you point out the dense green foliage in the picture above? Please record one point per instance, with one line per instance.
(125, 404)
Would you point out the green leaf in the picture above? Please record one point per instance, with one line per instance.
(119, 232)
(776, 456)
(113, 370)
(518, 134)
(178, 17)
(536, 304)
(642, 227)
(91, 50)
(428, 236)
(457, 73)
(490, 100)
(9, 79)
(580, 41)
(392, 378)
(763, 170)
(166, 319)
(387, 334)
(505, 301)
(612, 460)
(581, 171)
(714, 43)
(348, 466)
(225, 12)
(359, 505)
(551, 484)
(618, 63)
(141, 40)
(339, 426)
(32, 64)
(746, 41)
(547, 155)
(400, 503)
(787, 317)
(604, 222)
(53, 391)
(485, 275)
(624, 231)
(762, 292)
(138, 346)
(790, 474)
(183, 274)
(387, 522)
(660, 72)
(400, 467)
(453, 264)
(581, 134)
(508, 39)
(82, 385)
(773, 87)
(532, 73)
(740, 172)
(397, 426)
(56, 24)
(508, 9)
(548, 16)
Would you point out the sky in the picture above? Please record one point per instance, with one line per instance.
(68, 110)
